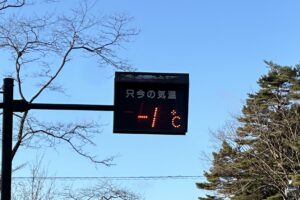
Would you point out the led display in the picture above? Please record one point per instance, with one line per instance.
(154, 103)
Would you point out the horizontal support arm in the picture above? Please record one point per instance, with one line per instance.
(22, 106)
(87, 107)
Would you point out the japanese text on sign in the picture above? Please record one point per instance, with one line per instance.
(150, 94)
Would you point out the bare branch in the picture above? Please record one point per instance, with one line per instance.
(41, 48)
(35, 187)
(5, 4)
(49, 42)
(77, 135)
(39, 187)
(102, 191)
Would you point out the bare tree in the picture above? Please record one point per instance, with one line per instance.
(35, 187)
(103, 191)
(41, 47)
(41, 187)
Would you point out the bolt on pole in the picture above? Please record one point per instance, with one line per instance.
(7, 133)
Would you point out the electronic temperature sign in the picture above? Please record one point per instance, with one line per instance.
(155, 103)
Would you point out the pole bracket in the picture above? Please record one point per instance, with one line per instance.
(20, 106)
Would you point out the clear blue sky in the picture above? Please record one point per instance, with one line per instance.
(221, 44)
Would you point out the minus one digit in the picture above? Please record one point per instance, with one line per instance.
(154, 117)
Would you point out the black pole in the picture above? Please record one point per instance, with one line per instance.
(7, 128)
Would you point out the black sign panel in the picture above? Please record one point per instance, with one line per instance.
(151, 103)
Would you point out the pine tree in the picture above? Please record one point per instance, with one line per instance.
(264, 154)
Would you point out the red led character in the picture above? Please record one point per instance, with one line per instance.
(176, 119)
(154, 117)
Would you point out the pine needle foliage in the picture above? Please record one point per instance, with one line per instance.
(262, 158)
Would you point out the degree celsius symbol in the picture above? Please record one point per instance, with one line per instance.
(176, 119)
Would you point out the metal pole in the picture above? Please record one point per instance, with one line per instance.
(85, 107)
(7, 134)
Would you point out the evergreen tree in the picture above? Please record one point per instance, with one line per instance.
(264, 155)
